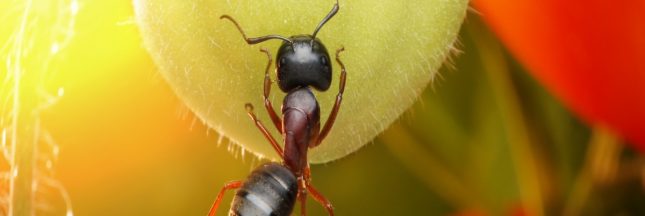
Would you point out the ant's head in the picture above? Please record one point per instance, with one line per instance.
(302, 60)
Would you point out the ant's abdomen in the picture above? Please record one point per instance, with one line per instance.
(271, 189)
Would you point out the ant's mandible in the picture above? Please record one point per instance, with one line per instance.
(272, 189)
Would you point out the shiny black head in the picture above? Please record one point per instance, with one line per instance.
(302, 59)
(303, 62)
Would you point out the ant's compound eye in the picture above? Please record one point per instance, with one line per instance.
(323, 60)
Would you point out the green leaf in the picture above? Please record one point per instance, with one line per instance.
(393, 50)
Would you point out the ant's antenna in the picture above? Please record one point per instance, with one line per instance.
(331, 14)
(255, 40)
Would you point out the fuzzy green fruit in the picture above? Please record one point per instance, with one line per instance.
(392, 51)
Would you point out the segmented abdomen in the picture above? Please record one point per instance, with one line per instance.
(271, 189)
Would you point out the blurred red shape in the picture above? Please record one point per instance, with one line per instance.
(589, 54)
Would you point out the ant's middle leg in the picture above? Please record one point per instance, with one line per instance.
(320, 199)
(302, 195)
(339, 98)
(267, 89)
(317, 195)
(265, 132)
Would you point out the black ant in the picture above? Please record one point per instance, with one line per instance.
(272, 188)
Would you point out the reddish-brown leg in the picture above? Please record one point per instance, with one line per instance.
(317, 195)
(339, 98)
(267, 89)
(302, 195)
(320, 199)
(228, 186)
(258, 123)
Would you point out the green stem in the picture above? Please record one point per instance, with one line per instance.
(601, 163)
(517, 134)
(407, 149)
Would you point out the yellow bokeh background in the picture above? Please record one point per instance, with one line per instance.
(129, 147)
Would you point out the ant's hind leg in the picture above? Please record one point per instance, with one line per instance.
(258, 123)
(339, 99)
(229, 186)
(267, 89)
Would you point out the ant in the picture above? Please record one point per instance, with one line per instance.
(302, 63)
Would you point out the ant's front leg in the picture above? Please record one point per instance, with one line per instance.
(267, 89)
(339, 99)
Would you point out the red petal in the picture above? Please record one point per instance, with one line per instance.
(590, 54)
